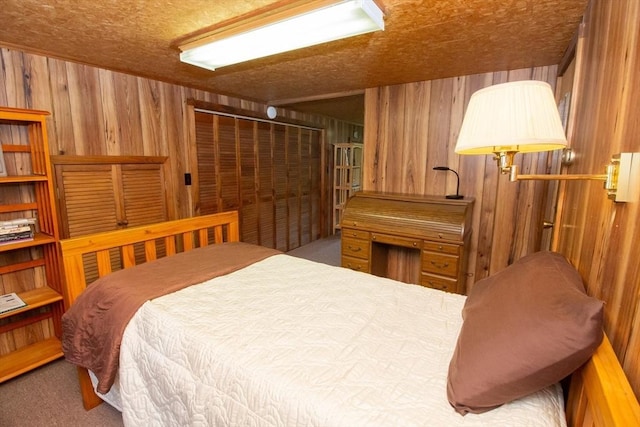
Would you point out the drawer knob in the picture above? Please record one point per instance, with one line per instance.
(354, 248)
(440, 247)
(415, 244)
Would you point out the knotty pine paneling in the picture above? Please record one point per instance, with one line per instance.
(100, 112)
(598, 236)
(411, 128)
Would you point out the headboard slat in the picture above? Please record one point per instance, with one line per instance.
(150, 252)
(203, 235)
(188, 240)
(103, 259)
(170, 245)
(128, 256)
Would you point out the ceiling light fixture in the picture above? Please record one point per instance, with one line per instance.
(522, 116)
(298, 24)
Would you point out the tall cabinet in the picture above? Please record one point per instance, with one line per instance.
(347, 177)
(29, 336)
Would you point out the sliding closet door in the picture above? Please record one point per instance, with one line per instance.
(270, 172)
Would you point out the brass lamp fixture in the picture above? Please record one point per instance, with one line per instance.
(284, 27)
(522, 116)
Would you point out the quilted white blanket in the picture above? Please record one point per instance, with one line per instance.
(290, 342)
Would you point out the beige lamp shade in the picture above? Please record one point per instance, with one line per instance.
(511, 117)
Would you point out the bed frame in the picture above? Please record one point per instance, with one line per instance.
(599, 394)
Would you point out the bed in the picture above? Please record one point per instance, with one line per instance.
(260, 379)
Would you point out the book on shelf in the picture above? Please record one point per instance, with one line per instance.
(10, 302)
(20, 222)
(13, 230)
(16, 237)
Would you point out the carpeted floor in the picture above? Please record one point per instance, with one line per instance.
(326, 251)
(50, 395)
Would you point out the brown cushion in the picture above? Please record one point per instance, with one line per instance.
(524, 328)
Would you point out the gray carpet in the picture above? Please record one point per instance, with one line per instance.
(50, 395)
(326, 251)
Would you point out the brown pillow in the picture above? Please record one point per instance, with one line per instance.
(524, 328)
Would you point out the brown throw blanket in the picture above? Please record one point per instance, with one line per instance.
(92, 328)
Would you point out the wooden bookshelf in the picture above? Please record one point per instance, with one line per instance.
(30, 335)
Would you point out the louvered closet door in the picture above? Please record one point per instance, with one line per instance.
(143, 201)
(87, 205)
(105, 197)
(270, 172)
(89, 199)
(143, 194)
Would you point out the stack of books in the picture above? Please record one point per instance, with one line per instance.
(17, 230)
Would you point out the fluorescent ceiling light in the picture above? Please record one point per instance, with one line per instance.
(304, 24)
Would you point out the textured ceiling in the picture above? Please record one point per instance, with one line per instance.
(423, 40)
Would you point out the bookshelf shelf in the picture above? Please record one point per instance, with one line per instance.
(29, 357)
(35, 298)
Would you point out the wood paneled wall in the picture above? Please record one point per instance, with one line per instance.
(100, 112)
(601, 237)
(411, 128)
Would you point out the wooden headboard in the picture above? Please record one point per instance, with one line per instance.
(175, 236)
(600, 394)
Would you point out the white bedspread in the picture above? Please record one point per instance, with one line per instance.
(290, 342)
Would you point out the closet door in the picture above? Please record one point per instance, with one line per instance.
(106, 193)
(105, 197)
(270, 172)
(143, 195)
(88, 197)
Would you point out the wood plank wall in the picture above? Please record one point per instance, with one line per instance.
(100, 112)
(601, 237)
(411, 128)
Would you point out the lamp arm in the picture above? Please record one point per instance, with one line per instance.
(610, 178)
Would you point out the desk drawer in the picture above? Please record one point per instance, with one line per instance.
(445, 265)
(389, 239)
(444, 248)
(355, 234)
(355, 248)
(356, 264)
(441, 283)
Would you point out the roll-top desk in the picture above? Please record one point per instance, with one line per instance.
(436, 227)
